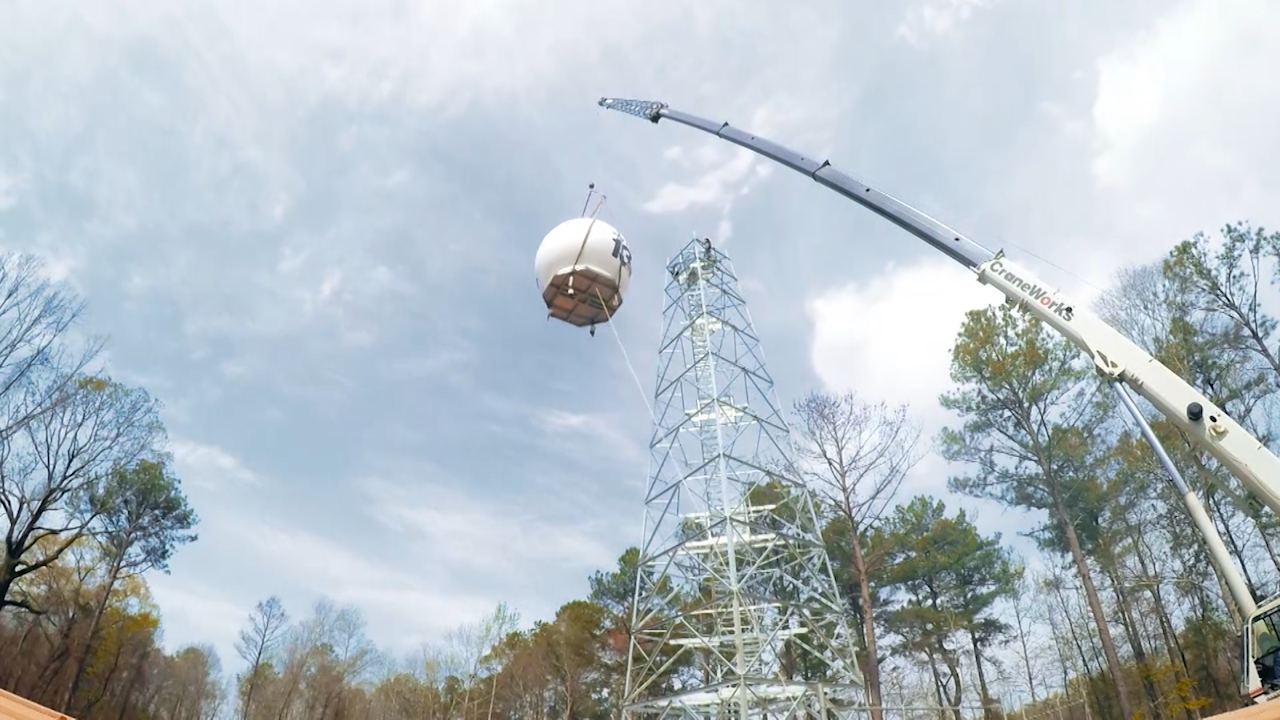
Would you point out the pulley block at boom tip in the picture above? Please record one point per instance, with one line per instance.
(650, 110)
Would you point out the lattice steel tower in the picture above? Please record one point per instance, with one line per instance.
(737, 612)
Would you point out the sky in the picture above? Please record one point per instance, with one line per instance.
(308, 227)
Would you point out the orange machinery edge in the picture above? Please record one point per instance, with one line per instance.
(13, 707)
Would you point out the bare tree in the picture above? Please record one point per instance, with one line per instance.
(1020, 609)
(257, 642)
(197, 692)
(50, 469)
(351, 655)
(38, 370)
(470, 645)
(503, 622)
(37, 361)
(1140, 305)
(855, 455)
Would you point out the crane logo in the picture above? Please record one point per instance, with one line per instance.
(1033, 291)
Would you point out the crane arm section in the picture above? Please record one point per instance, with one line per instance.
(1114, 355)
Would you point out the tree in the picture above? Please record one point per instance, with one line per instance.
(615, 593)
(1188, 312)
(1034, 433)
(37, 361)
(49, 471)
(986, 576)
(256, 645)
(855, 456)
(1021, 590)
(127, 674)
(471, 643)
(1226, 282)
(195, 690)
(142, 518)
(571, 645)
(1226, 341)
(952, 577)
(1031, 418)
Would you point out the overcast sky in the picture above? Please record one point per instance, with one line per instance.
(308, 226)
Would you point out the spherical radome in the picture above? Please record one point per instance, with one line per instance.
(604, 250)
(583, 267)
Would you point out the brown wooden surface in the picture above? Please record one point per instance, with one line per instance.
(13, 707)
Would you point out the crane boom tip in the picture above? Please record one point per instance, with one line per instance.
(650, 110)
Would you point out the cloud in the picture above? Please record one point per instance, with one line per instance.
(722, 172)
(713, 186)
(292, 547)
(190, 605)
(1173, 132)
(209, 467)
(399, 601)
(9, 186)
(732, 173)
(932, 20)
(1182, 123)
(494, 534)
(595, 436)
(889, 338)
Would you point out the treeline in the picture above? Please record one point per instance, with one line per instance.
(1118, 614)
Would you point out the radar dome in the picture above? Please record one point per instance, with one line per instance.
(583, 267)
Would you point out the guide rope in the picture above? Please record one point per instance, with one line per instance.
(644, 397)
(680, 466)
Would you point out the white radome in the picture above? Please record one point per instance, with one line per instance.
(583, 267)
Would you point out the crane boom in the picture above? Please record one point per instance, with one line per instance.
(1115, 356)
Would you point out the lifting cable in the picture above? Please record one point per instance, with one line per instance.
(677, 461)
(626, 358)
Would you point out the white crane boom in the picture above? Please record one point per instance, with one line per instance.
(1115, 356)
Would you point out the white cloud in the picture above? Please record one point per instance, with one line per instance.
(192, 606)
(1181, 115)
(9, 185)
(60, 266)
(715, 185)
(938, 19)
(587, 434)
(209, 467)
(435, 362)
(487, 532)
(1181, 129)
(721, 171)
(890, 338)
(1184, 124)
(439, 54)
(398, 601)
